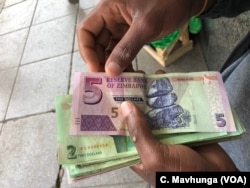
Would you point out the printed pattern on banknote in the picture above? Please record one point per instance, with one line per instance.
(165, 112)
(96, 100)
(172, 103)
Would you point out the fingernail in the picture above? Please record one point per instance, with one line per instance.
(113, 68)
(126, 108)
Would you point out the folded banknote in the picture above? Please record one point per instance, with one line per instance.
(172, 103)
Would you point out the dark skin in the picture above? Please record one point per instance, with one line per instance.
(109, 39)
(169, 158)
(113, 33)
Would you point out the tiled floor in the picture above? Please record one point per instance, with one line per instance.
(38, 56)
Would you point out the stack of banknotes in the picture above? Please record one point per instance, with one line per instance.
(180, 108)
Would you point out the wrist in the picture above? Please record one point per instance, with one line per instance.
(201, 6)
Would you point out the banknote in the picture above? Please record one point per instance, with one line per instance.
(82, 171)
(90, 150)
(172, 103)
(86, 149)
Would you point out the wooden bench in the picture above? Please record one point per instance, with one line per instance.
(170, 54)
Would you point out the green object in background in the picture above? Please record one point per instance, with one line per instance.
(195, 25)
(166, 41)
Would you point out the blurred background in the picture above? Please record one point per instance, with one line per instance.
(38, 56)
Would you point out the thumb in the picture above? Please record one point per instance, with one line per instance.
(125, 51)
(139, 130)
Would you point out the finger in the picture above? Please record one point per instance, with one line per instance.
(139, 131)
(125, 51)
(104, 38)
(101, 53)
(87, 33)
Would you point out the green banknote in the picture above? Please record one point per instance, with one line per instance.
(82, 171)
(201, 138)
(89, 151)
(86, 149)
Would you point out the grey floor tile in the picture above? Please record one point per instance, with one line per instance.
(17, 17)
(51, 9)
(78, 65)
(12, 48)
(82, 13)
(147, 63)
(50, 39)
(28, 152)
(129, 185)
(135, 64)
(37, 85)
(117, 177)
(12, 2)
(87, 4)
(7, 79)
(192, 61)
(126, 185)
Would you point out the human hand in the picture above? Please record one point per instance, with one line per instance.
(156, 156)
(114, 32)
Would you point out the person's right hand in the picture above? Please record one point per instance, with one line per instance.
(159, 157)
(110, 37)
(156, 156)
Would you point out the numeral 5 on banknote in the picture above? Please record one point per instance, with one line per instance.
(172, 103)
